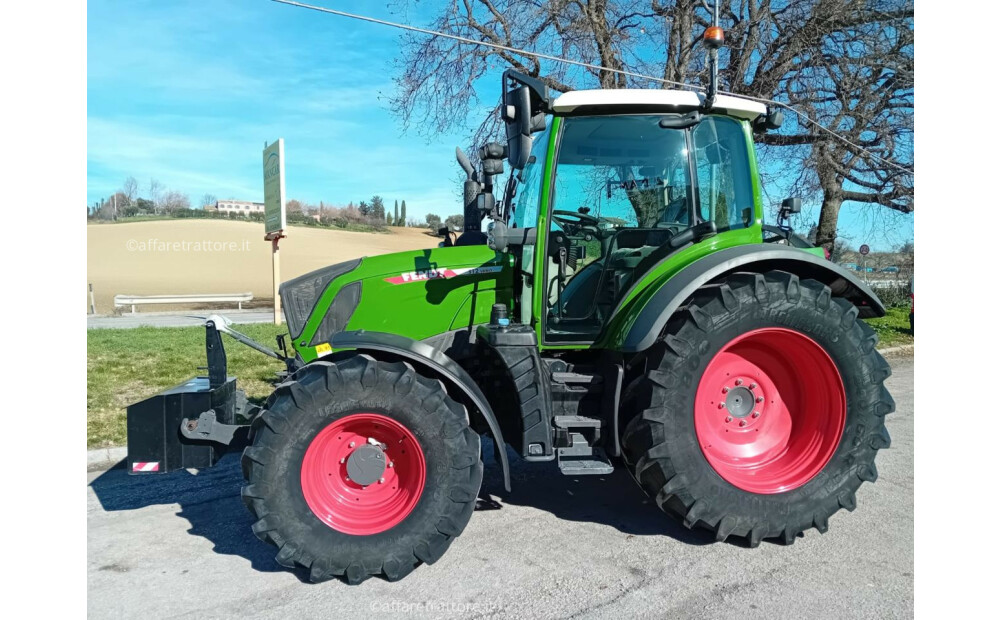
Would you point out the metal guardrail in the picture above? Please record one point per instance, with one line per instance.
(138, 300)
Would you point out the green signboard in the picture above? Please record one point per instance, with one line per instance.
(274, 187)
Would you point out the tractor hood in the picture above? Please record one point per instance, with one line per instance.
(418, 294)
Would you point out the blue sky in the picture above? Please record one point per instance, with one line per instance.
(187, 92)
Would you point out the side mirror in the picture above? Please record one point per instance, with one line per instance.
(788, 207)
(523, 113)
(772, 120)
(516, 113)
(791, 205)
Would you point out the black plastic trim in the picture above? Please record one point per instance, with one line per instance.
(339, 314)
(654, 315)
(317, 281)
(425, 355)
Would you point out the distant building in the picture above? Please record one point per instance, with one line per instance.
(238, 206)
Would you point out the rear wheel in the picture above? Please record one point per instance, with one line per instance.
(761, 410)
(361, 468)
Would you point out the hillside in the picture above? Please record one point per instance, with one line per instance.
(148, 258)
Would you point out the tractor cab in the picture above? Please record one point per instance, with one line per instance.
(613, 184)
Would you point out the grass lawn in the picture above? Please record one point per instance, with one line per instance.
(894, 328)
(126, 365)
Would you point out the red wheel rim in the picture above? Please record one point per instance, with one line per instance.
(770, 410)
(380, 499)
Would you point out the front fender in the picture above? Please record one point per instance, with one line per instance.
(647, 324)
(434, 360)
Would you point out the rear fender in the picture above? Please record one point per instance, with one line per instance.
(438, 365)
(649, 322)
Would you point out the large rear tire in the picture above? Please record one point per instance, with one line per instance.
(761, 409)
(361, 468)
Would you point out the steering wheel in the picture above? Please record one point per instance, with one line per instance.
(578, 219)
(576, 224)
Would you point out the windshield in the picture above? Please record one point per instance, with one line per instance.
(623, 169)
(632, 173)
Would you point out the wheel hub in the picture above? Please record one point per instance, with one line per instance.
(740, 402)
(366, 464)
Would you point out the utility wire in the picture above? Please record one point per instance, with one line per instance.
(435, 33)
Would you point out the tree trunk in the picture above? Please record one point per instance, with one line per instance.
(826, 233)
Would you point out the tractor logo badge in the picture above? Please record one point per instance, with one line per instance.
(440, 274)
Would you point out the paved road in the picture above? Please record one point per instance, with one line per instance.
(179, 319)
(557, 547)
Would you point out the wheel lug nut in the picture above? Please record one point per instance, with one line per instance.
(351, 445)
(391, 464)
(722, 405)
(724, 390)
(753, 386)
(342, 460)
(739, 382)
(743, 422)
(760, 399)
(756, 414)
(729, 418)
(381, 480)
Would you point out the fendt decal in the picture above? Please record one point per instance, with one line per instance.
(441, 274)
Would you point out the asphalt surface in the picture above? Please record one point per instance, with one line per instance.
(180, 545)
(175, 319)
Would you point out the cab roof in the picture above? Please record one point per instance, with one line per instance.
(578, 101)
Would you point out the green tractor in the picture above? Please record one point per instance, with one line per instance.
(624, 307)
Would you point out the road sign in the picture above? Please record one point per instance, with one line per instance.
(274, 187)
(864, 249)
(274, 212)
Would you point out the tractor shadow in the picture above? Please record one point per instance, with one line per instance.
(209, 499)
(614, 499)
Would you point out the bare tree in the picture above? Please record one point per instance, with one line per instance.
(175, 201)
(849, 64)
(208, 200)
(155, 194)
(855, 77)
(130, 189)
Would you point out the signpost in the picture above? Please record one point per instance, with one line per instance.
(274, 211)
(863, 251)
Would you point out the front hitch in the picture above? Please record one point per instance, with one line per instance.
(194, 423)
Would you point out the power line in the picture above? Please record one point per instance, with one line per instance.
(435, 33)
(455, 37)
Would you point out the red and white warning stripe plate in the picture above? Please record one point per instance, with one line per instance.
(154, 466)
(440, 274)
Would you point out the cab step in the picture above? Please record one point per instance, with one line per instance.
(582, 459)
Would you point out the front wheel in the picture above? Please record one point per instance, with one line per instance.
(361, 468)
(761, 409)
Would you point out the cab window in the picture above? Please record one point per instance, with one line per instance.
(624, 187)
